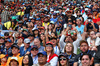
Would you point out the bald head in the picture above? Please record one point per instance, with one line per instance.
(37, 42)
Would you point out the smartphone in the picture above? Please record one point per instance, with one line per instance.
(70, 26)
(65, 25)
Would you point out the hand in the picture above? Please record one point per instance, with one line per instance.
(63, 32)
(56, 25)
(46, 26)
(92, 23)
(27, 52)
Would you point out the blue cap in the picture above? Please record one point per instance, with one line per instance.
(38, 19)
(42, 52)
(9, 40)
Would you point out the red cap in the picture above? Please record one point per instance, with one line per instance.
(49, 42)
(21, 37)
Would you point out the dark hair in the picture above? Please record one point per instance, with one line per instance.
(87, 55)
(30, 60)
(67, 61)
(83, 41)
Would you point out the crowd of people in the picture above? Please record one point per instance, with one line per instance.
(50, 33)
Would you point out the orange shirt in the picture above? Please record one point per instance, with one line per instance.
(5, 64)
(19, 59)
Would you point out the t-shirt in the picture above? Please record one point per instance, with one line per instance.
(91, 28)
(80, 29)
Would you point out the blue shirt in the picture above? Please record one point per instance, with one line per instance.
(22, 52)
(52, 19)
(41, 48)
(35, 59)
(80, 29)
(7, 52)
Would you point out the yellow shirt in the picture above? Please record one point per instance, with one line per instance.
(19, 59)
(20, 13)
(8, 25)
(43, 24)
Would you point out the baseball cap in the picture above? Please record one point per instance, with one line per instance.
(42, 52)
(25, 30)
(6, 34)
(30, 34)
(14, 58)
(62, 54)
(52, 22)
(53, 38)
(2, 56)
(34, 46)
(49, 42)
(14, 45)
(34, 29)
(9, 40)
(21, 37)
(20, 22)
(26, 40)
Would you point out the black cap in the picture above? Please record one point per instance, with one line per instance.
(6, 34)
(53, 38)
(15, 45)
(30, 35)
(34, 46)
(62, 54)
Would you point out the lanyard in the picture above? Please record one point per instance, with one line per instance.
(70, 56)
(87, 52)
(56, 50)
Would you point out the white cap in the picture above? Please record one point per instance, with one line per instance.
(26, 40)
(34, 29)
(52, 22)
(30, 17)
(14, 58)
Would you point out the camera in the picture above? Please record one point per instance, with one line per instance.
(89, 20)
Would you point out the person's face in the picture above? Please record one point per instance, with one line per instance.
(68, 39)
(54, 41)
(25, 32)
(63, 60)
(50, 27)
(78, 21)
(49, 48)
(36, 32)
(14, 63)
(31, 38)
(4, 59)
(26, 60)
(27, 45)
(15, 50)
(69, 47)
(85, 60)
(8, 44)
(52, 34)
(6, 36)
(42, 59)
(17, 35)
(42, 37)
(13, 23)
(92, 34)
(37, 42)
(84, 47)
(34, 51)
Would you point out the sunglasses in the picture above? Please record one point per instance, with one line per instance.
(34, 49)
(48, 45)
(62, 58)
